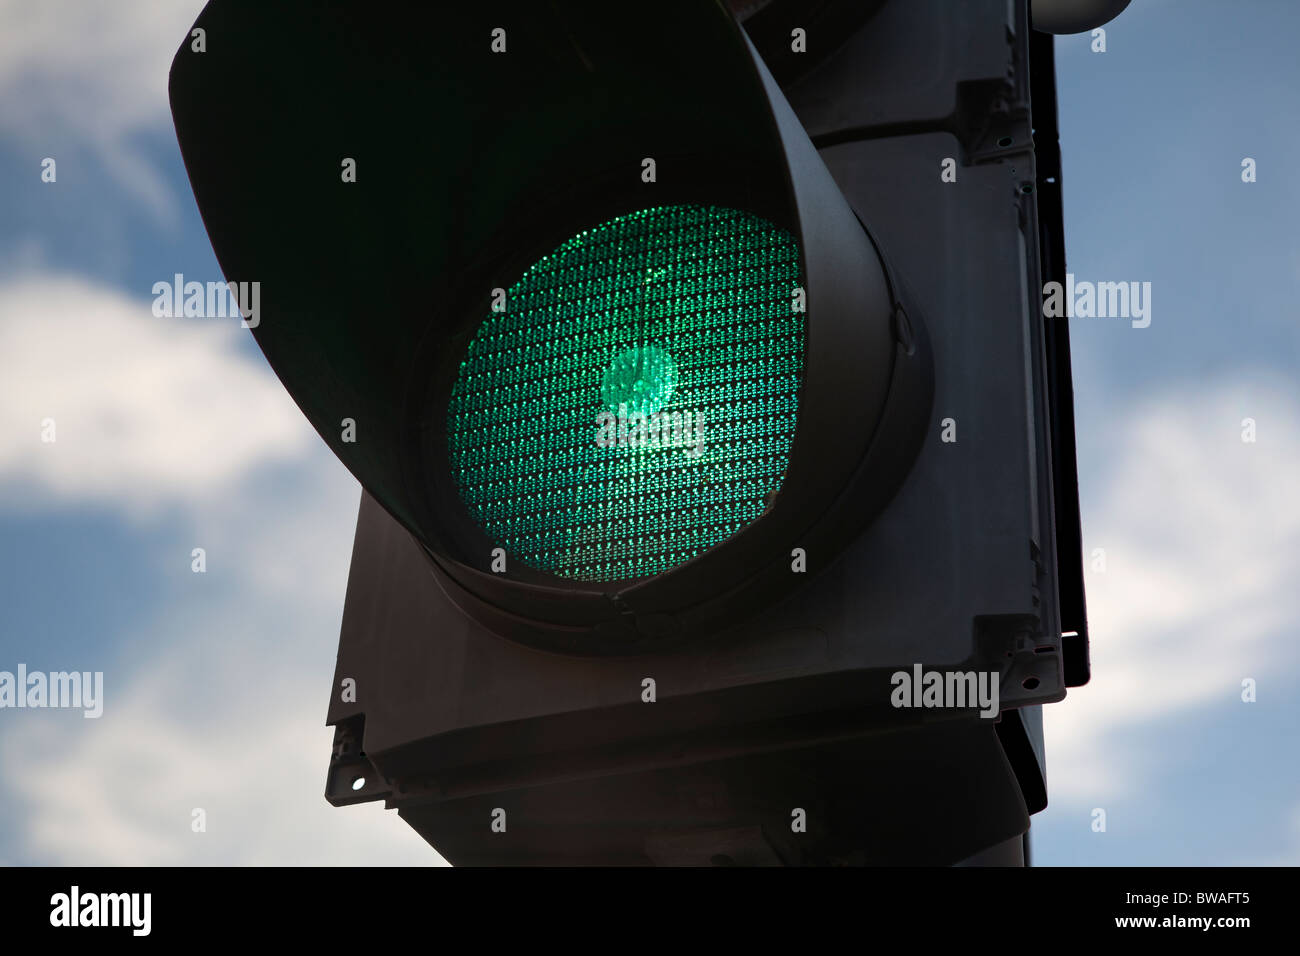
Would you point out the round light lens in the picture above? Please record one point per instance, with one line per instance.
(634, 402)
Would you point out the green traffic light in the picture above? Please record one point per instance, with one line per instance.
(634, 403)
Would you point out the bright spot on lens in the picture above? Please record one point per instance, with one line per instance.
(642, 379)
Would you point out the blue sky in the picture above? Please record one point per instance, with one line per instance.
(173, 434)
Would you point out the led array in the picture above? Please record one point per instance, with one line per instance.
(696, 301)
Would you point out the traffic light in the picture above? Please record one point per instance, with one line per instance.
(693, 365)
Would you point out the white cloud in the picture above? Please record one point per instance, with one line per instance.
(218, 702)
(93, 74)
(121, 790)
(1202, 538)
(220, 705)
(216, 697)
(146, 410)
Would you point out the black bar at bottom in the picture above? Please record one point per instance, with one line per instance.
(346, 907)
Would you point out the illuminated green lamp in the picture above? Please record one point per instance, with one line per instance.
(634, 403)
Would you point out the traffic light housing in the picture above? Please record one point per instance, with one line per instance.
(484, 236)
